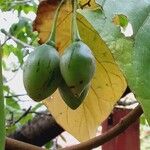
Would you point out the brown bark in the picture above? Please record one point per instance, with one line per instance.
(12, 144)
(39, 131)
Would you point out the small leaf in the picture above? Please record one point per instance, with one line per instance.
(10, 129)
(120, 20)
(6, 88)
(25, 119)
(49, 145)
(7, 49)
(12, 103)
(23, 30)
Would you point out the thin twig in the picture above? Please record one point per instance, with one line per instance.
(124, 103)
(15, 39)
(4, 42)
(18, 95)
(127, 91)
(39, 113)
(85, 4)
(110, 134)
(23, 115)
(17, 2)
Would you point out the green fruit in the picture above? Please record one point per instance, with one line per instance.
(77, 66)
(41, 73)
(72, 101)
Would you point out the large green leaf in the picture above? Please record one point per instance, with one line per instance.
(131, 53)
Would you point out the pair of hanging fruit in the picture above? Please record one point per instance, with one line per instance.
(45, 71)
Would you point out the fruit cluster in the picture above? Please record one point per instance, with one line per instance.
(45, 71)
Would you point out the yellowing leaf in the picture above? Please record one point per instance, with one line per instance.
(120, 20)
(107, 85)
(45, 15)
(43, 22)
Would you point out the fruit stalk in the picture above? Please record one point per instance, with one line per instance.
(2, 108)
(75, 34)
(51, 40)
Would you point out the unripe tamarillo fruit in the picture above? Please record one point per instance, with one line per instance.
(77, 66)
(72, 101)
(41, 72)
